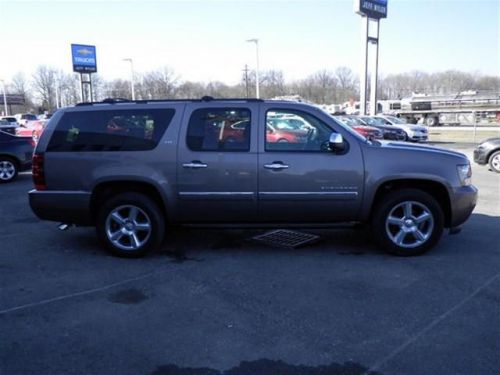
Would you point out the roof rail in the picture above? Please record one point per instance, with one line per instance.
(143, 101)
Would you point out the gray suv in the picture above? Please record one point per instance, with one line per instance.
(136, 169)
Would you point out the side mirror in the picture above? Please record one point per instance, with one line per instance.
(336, 142)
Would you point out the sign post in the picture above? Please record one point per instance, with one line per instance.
(84, 62)
(369, 10)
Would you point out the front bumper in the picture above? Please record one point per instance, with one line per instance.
(71, 207)
(394, 136)
(480, 156)
(419, 137)
(463, 201)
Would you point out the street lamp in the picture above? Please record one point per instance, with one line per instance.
(256, 41)
(4, 98)
(132, 76)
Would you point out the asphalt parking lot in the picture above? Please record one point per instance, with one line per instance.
(222, 304)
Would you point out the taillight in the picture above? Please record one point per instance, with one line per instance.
(38, 171)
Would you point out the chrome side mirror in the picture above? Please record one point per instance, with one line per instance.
(336, 142)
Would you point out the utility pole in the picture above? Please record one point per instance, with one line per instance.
(256, 41)
(246, 79)
(131, 76)
(4, 98)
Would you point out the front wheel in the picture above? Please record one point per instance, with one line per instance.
(495, 162)
(130, 224)
(408, 222)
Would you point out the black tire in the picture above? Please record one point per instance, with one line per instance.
(494, 162)
(9, 169)
(407, 139)
(148, 213)
(432, 121)
(283, 140)
(394, 203)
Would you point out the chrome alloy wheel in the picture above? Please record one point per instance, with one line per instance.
(495, 162)
(128, 227)
(409, 224)
(7, 170)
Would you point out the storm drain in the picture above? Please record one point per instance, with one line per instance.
(286, 238)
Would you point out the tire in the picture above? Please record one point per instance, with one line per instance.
(8, 169)
(494, 162)
(136, 222)
(283, 140)
(432, 121)
(407, 139)
(403, 235)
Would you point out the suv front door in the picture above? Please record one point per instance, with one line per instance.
(217, 163)
(300, 179)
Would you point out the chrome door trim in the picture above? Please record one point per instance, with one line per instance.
(217, 195)
(310, 195)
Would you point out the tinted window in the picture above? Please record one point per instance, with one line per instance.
(219, 129)
(289, 130)
(117, 130)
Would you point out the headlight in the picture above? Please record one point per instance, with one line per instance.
(464, 174)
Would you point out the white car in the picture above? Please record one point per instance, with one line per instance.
(22, 119)
(415, 133)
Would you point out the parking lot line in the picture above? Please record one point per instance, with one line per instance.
(430, 326)
(77, 294)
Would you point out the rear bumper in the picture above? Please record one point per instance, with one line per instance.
(463, 201)
(71, 207)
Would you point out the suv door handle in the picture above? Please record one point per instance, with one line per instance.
(195, 165)
(276, 165)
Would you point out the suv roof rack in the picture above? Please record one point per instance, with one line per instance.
(142, 101)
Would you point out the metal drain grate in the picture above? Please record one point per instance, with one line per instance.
(286, 238)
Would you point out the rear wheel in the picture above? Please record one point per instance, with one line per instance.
(408, 222)
(8, 169)
(495, 162)
(432, 121)
(130, 224)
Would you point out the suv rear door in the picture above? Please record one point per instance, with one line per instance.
(300, 179)
(217, 163)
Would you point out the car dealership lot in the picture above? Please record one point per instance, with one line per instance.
(224, 303)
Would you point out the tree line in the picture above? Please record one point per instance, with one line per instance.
(48, 88)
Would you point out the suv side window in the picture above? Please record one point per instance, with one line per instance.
(219, 129)
(110, 130)
(291, 130)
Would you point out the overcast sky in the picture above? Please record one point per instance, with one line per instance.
(205, 40)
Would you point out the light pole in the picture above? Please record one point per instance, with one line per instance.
(132, 76)
(4, 98)
(256, 41)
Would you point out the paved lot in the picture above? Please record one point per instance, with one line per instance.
(225, 305)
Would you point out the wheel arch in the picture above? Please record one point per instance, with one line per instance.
(107, 189)
(434, 188)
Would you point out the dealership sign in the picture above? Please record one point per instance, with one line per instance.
(84, 58)
(371, 8)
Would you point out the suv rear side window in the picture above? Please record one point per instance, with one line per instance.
(116, 130)
(219, 129)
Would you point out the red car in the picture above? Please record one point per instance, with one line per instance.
(31, 129)
(366, 131)
(274, 135)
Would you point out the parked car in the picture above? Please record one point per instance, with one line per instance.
(414, 133)
(11, 119)
(276, 135)
(134, 186)
(15, 155)
(31, 129)
(369, 132)
(22, 119)
(488, 152)
(7, 127)
(389, 132)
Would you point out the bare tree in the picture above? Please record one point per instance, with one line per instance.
(44, 80)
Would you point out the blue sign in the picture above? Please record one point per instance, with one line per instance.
(371, 8)
(84, 58)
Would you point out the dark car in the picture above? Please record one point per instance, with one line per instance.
(15, 155)
(8, 127)
(389, 132)
(488, 152)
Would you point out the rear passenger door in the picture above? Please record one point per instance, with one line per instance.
(217, 163)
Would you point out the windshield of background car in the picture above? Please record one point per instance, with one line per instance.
(396, 120)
